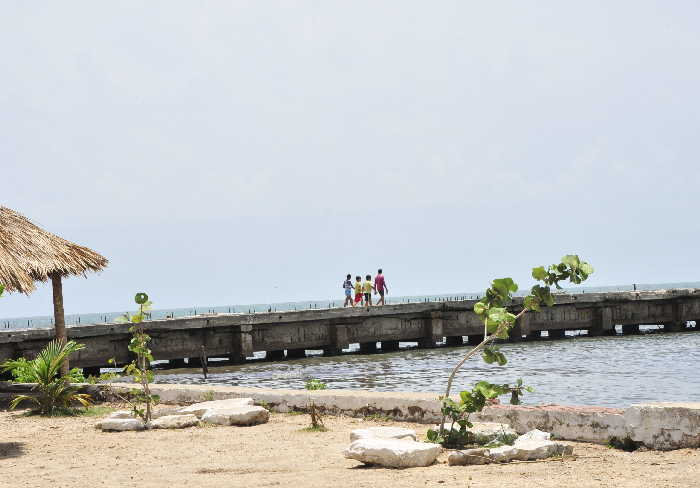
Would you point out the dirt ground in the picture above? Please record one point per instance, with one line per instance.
(70, 452)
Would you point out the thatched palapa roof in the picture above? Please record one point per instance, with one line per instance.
(29, 254)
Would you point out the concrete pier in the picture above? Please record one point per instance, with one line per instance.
(238, 336)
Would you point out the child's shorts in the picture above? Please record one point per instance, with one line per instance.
(348, 292)
(368, 297)
(358, 297)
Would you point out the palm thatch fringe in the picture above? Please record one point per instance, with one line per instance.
(29, 254)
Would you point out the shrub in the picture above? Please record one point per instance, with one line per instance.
(316, 417)
(53, 392)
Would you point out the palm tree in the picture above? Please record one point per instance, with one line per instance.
(53, 391)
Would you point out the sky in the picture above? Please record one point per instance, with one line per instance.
(229, 152)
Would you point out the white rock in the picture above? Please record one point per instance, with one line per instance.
(383, 433)
(239, 415)
(199, 409)
(393, 453)
(504, 454)
(529, 450)
(174, 421)
(468, 457)
(122, 424)
(539, 449)
(534, 435)
(121, 414)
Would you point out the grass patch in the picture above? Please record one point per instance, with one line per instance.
(94, 411)
(311, 428)
(295, 412)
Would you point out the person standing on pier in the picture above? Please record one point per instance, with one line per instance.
(358, 290)
(380, 286)
(367, 289)
(347, 286)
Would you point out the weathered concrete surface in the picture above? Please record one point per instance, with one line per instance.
(590, 424)
(664, 426)
(393, 453)
(237, 336)
(658, 426)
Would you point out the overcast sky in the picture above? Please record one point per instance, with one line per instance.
(236, 152)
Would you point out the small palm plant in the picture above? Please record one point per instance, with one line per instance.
(54, 392)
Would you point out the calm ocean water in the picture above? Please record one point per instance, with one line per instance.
(609, 371)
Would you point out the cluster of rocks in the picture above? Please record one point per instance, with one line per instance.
(531, 446)
(395, 447)
(234, 411)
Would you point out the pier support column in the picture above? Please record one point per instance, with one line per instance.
(241, 343)
(534, 335)
(678, 324)
(276, 355)
(474, 339)
(556, 333)
(388, 346)
(337, 338)
(602, 322)
(432, 330)
(177, 363)
(296, 353)
(91, 371)
(455, 341)
(629, 329)
(368, 347)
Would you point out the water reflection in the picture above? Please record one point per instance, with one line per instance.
(610, 371)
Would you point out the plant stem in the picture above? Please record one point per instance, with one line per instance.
(479, 347)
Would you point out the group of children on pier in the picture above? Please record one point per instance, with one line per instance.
(363, 290)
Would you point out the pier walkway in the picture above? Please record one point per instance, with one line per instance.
(290, 334)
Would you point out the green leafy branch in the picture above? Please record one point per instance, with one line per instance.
(498, 320)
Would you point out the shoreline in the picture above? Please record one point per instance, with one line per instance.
(660, 425)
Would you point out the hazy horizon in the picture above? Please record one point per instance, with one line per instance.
(245, 152)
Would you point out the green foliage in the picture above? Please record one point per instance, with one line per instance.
(493, 308)
(316, 417)
(517, 390)
(458, 412)
(2, 289)
(53, 392)
(493, 311)
(141, 400)
(314, 384)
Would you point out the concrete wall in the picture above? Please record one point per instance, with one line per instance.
(662, 426)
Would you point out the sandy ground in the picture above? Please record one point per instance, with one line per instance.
(70, 452)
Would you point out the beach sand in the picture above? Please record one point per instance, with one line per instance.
(70, 452)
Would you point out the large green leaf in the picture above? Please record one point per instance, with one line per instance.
(539, 273)
(571, 260)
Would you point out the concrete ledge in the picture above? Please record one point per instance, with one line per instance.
(662, 426)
